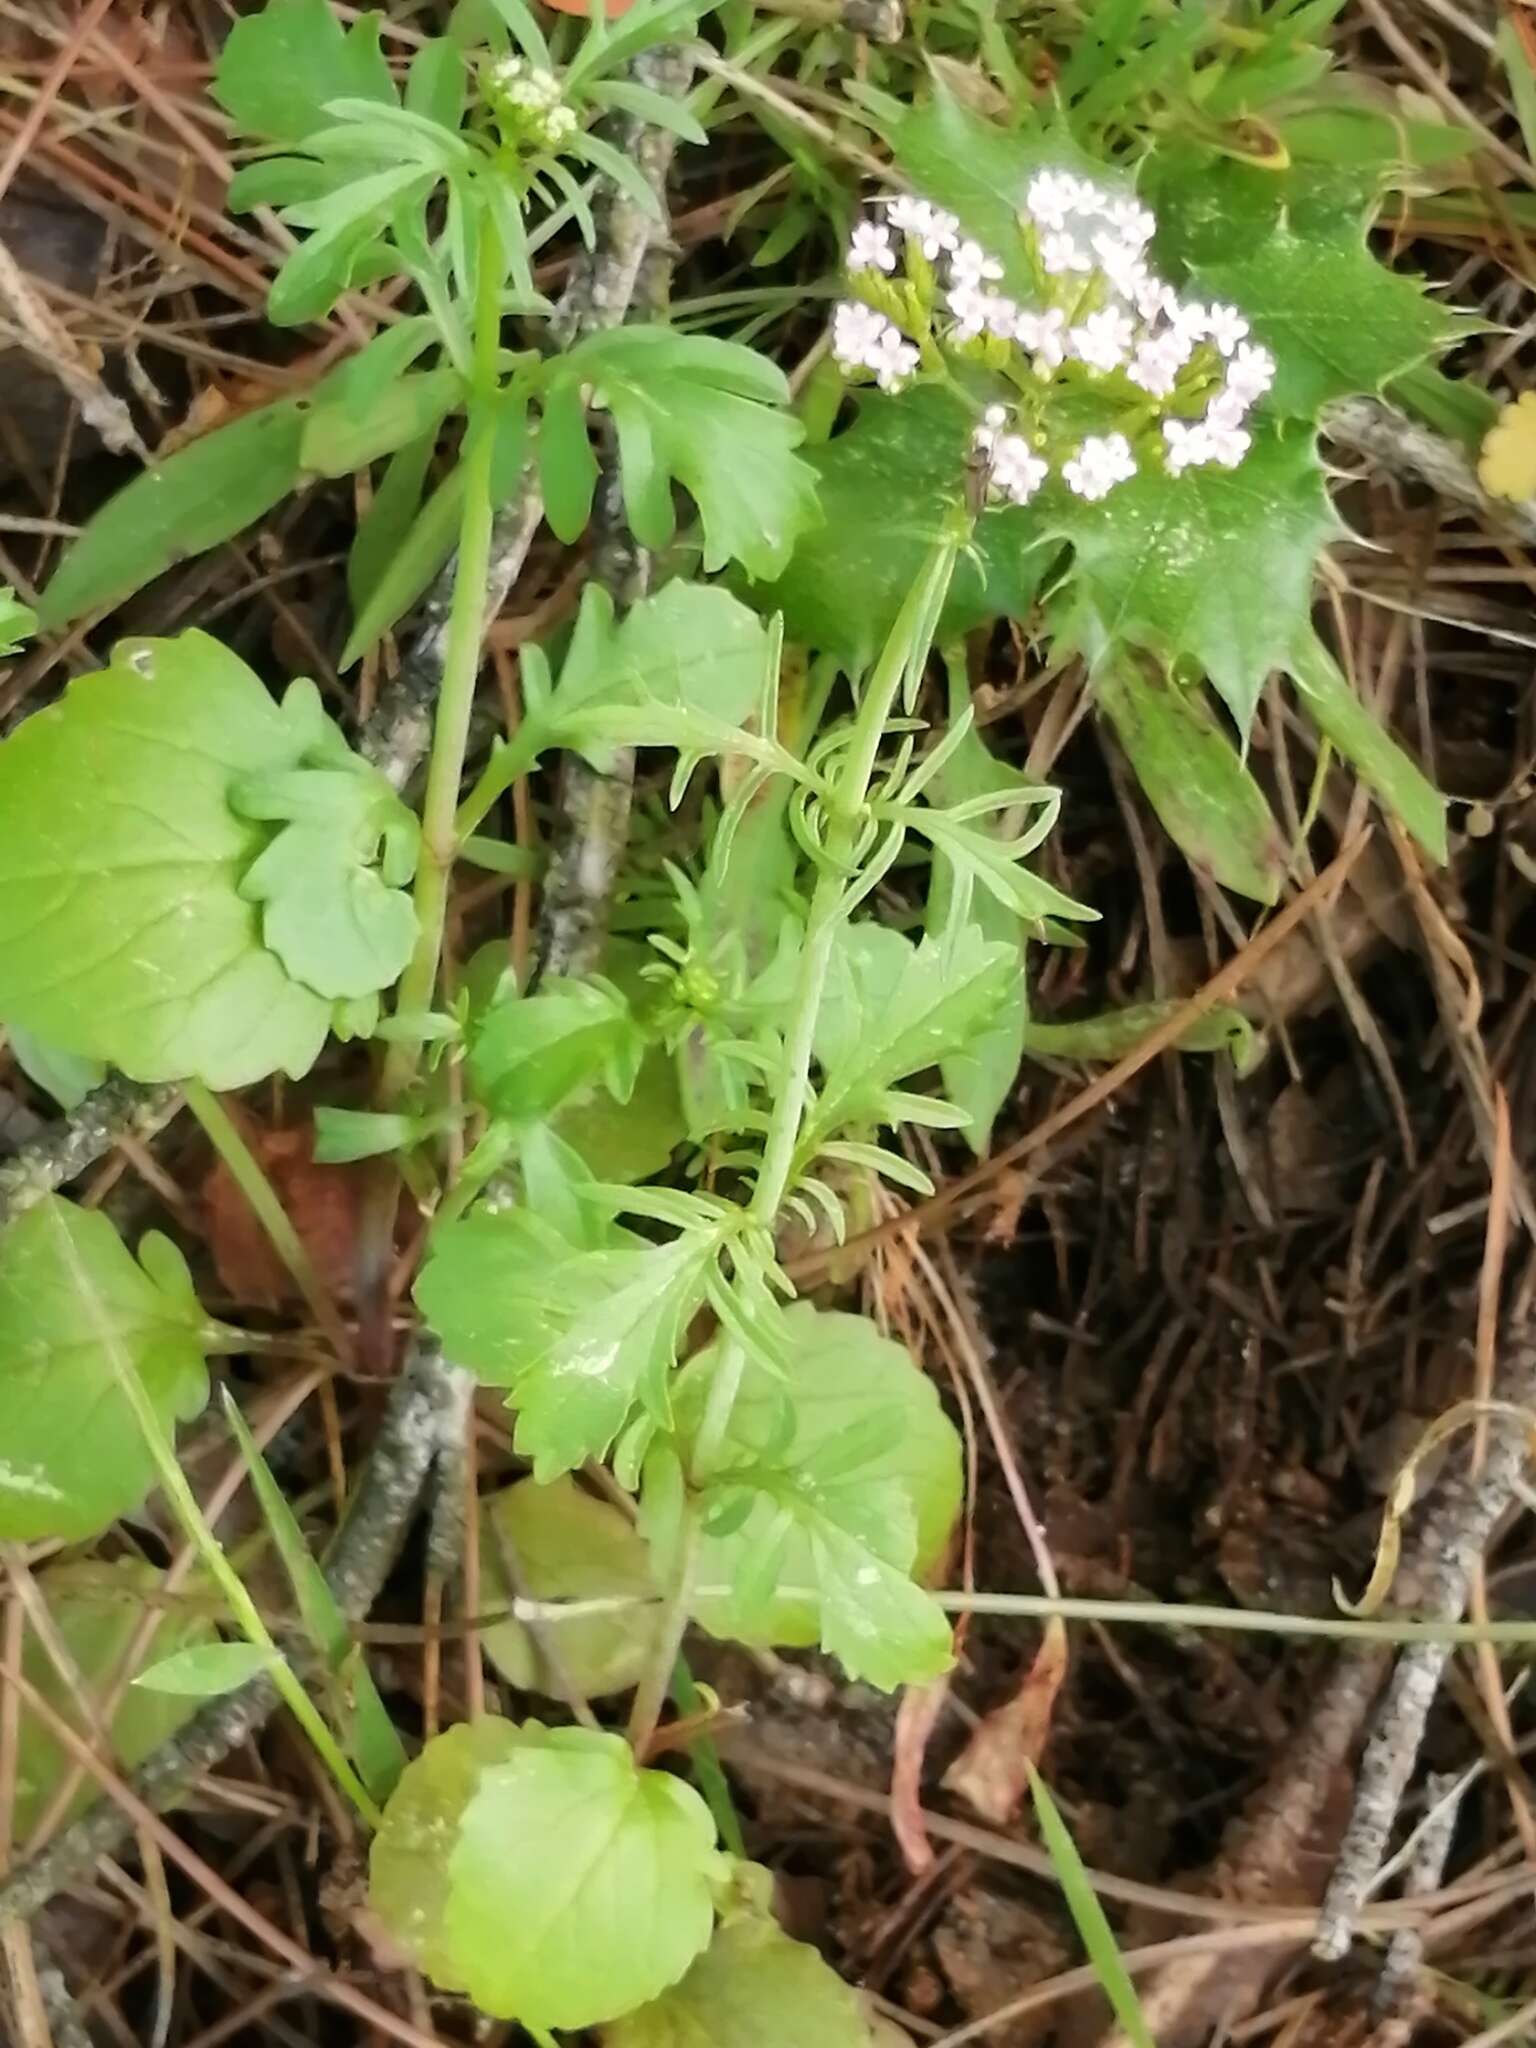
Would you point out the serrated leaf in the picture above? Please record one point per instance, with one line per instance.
(203, 494)
(752, 1988)
(611, 1910)
(559, 1542)
(830, 1554)
(124, 932)
(1190, 773)
(96, 1608)
(578, 1335)
(1214, 566)
(75, 1308)
(891, 1008)
(280, 67)
(883, 485)
(206, 1669)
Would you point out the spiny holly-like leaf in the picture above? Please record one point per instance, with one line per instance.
(752, 1988)
(125, 934)
(883, 485)
(1289, 249)
(543, 1873)
(579, 1336)
(1192, 776)
(96, 1607)
(710, 414)
(77, 1311)
(280, 67)
(559, 1542)
(850, 1473)
(1214, 566)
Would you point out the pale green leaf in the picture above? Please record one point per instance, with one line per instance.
(610, 1910)
(124, 932)
(206, 1669)
(752, 1988)
(63, 1075)
(1083, 1904)
(18, 622)
(75, 1307)
(853, 1474)
(1363, 741)
(532, 1054)
(559, 1542)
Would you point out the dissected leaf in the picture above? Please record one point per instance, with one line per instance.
(281, 66)
(543, 1873)
(559, 1542)
(96, 1608)
(752, 1988)
(203, 494)
(1209, 804)
(579, 1336)
(883, 485)
(709, 413)
(75, 1306)
(849, 1472)
(125, 932)
(1214, 566)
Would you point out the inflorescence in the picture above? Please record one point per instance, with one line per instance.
(1174, 379)
(529, 104)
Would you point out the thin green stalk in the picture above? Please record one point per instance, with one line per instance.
(245, 1169)
(707, 1771)
(657, 1678)
(189, 1514)
(461, 669)
(1243, 1620)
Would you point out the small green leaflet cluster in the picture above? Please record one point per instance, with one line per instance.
(428, 187)
(1164, 586)
(195, 881)
(626, 1870)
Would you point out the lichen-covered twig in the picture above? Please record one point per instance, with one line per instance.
(116, 1110)
(1405, 447)
(1454, 1536)
(1405, 1951)
(366, 1546)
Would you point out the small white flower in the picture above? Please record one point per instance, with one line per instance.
(1189, 444)
(970, 264)
(854, 329)
(1017, 472)
(1052, 195)
(1158, 361)
(893, 358)
(1251, 371)
(986, 436)
(1120, 263)
(869, 247)
(1092, 201)
(1154, 298)
(1228, 444)
(1134, 221)
(1191, 318)
(1225, 326)
(908, 215)
(942, 233)
(1103, 461)
(1061, 253)
(1104, 340)
(969, 307)
(1228, 408)
(1045, 336)
(1002, 315)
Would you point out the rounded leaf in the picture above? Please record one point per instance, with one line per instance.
(544, 1874)
(843, 1377)
(564, 1544)
(752, 1988)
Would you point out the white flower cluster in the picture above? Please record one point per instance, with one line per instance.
(530, 101)
(1103, 310)
(863, 339)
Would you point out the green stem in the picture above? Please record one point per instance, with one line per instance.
(245, 1169)
(708, 1773)
(242, 1607)
(657, 1678)
(1242, 1620)
(461, 669)
(512, 759)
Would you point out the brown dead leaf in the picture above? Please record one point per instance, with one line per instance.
(323, 1204)
(915, 1718)
(990, 1772)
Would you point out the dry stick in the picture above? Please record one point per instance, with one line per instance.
(1401, 445)
(360, 1560)
(1405, 1951)
(117, 1109)
(1455, 1534)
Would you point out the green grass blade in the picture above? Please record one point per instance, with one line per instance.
(370, 1736)
(1088, 1914)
